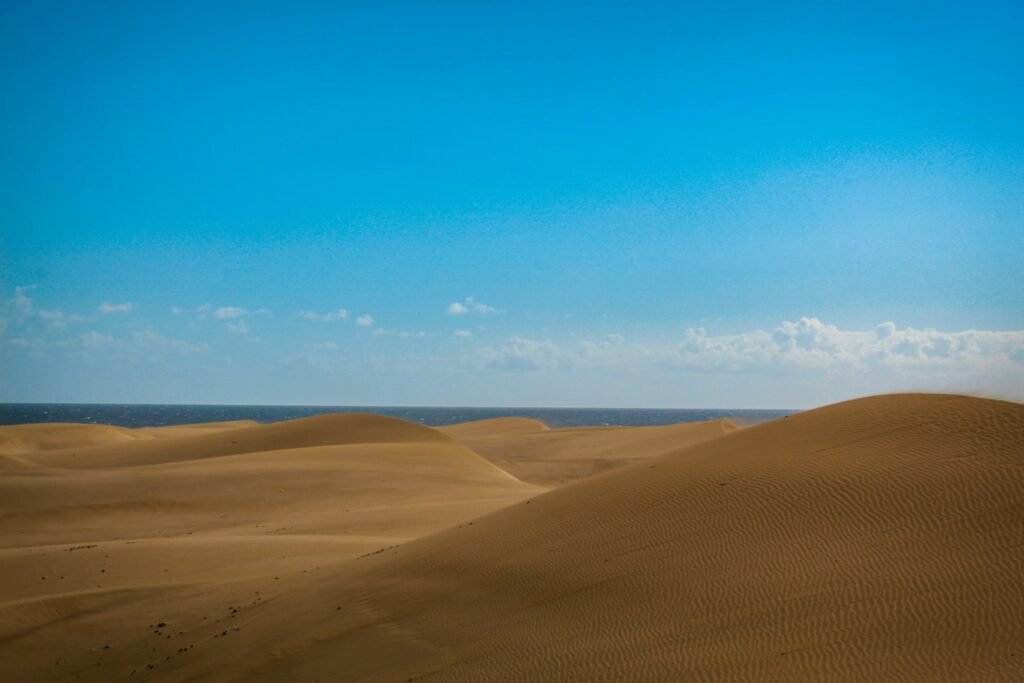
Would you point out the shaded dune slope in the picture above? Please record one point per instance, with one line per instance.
(878, 539)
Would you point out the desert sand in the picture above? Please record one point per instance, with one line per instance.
(876, 539)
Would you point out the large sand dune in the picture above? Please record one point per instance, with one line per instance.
(879, 539)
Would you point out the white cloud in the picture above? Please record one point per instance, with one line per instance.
(239, 327)
(811, 344)
(462, 333)
(34, 347)
(403, 334)
(365, 320)
(202, 312)
(140, 341)
(885, 358)
(324, 346)
(469, 305)
(22, 304)
(52, 318)
(148, 340)
(108, 308)
(520, 353)
(331, 316)
(94, 340)
(57, 320)
(230, 313)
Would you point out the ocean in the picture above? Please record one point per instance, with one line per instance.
(142, 415)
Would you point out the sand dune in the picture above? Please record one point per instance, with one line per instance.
(293, 475)
(95, 538)
(16, 439)
(873, 540)
(194, 428)
(878, 539)
(495, 427)
(194, 444)
(557, 457)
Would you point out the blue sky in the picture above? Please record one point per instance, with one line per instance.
(632, 204)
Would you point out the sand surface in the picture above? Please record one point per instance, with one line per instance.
(877, 539)
(552, 457)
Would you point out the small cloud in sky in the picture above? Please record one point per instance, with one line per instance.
(94, 340)
(463, 333)
(54, 318)
(520, 353)
(33, 348)
(239, 327)
(230, 313)
(201, 311)
(151, 341)
(403, 334)
(22, 305)
(324, 346)
(108, 308)
(366, 320)
(330, 316)
(469, 305)
(58, 320)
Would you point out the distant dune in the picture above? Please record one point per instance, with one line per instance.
(877, 539)
(55, 435)
(555, 457)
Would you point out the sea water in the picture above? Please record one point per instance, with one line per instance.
(143, 415)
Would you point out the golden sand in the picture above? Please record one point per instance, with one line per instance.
(877, 539)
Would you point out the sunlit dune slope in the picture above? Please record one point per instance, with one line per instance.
(17, 439)
(494, 427)
(552, 457)
(194, 428)
(191, 443)
(879, 539)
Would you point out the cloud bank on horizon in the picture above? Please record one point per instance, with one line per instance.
(848, 362)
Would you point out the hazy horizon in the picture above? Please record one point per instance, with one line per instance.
(654, 206)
